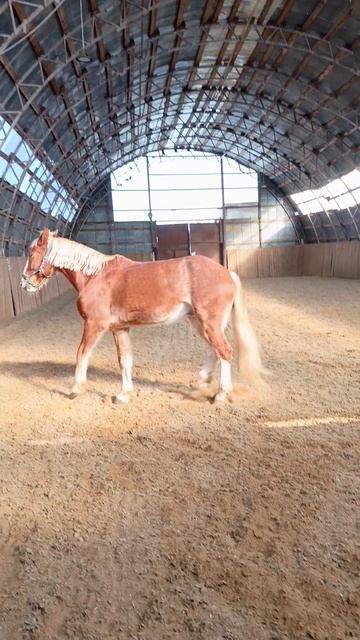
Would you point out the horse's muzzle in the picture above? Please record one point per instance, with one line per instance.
(27, 285)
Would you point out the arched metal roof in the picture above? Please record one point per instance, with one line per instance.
(90, 84)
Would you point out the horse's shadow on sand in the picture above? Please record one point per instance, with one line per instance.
(35, 371)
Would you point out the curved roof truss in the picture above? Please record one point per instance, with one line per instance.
(92, 84)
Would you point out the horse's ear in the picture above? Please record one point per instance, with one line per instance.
(43, 238)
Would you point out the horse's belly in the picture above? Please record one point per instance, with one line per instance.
(177, 314)
(141, 317)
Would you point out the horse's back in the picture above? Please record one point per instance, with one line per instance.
(185, 277)
(127, 292)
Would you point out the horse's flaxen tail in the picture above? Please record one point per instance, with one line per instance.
(249, 360)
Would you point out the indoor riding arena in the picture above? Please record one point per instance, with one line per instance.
(195, 506)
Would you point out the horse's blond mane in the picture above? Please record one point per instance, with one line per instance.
(67, 254)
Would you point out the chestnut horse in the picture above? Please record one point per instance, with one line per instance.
(115, 293)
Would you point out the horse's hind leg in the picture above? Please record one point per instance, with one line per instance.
(124, 353)
(225, 381)
(212, 328)
(206, 372)
(91, 334)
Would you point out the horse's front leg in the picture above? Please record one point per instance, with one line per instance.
(91, 334)
(124, 353)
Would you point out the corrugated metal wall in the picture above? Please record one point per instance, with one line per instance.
(24, 223)
(267, 224)
(332, 227)
(132, 239)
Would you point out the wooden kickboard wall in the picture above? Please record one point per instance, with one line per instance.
(14, 300)
(330, 260)
(339, 260)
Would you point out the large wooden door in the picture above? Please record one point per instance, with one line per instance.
(177, 240)
(205, 239)
(172, 241)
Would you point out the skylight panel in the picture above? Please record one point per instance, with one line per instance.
(346, 200)
(11, 142)
(356, 194)
(352, 179)
(22, 174)
(337, 187)
(338, 194)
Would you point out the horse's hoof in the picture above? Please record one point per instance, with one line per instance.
(122, 398)
(221, 398)
(73, 395)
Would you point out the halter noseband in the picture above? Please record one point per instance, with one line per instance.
(39, 270)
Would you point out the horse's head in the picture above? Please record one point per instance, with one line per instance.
(37, 270)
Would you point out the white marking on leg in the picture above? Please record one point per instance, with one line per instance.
(225, 381)
(207, 370)
(81, 372)
(82, 367)
(225, 376)
(127, 384)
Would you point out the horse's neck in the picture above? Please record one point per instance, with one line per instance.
(76, 278)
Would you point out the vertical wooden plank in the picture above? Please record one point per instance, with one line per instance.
(347, 260)
(6, 303)
(23, 301)
(341, 260)
(14, 299)
(49, 291)
(62, 284)
(337, 259)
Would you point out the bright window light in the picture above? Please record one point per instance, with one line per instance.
(23, 170)
(352, 179)
(337, 187)
(346, 200)
(183, 187)
(338, 194)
